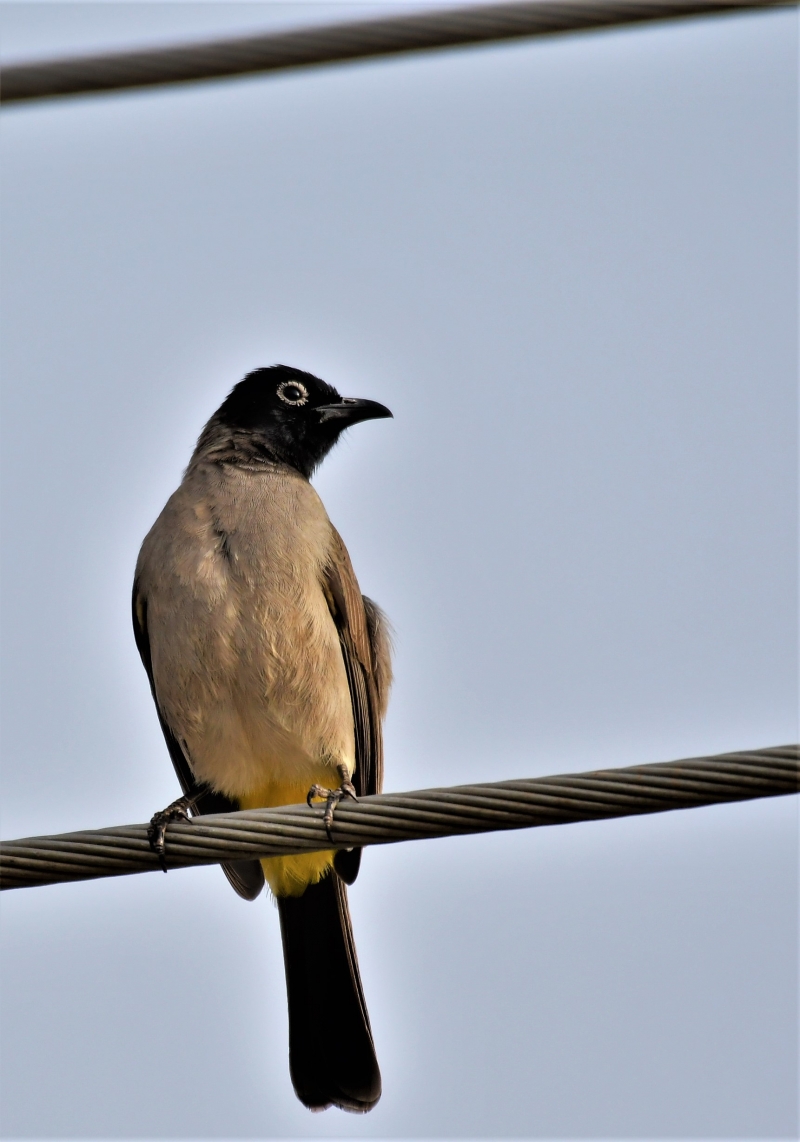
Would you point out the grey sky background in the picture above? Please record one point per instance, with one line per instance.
(570, 268)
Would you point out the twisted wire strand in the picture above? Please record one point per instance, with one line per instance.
(417, 815)
(337, 43)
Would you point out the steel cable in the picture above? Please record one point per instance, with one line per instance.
(336, 43)
(418, 815)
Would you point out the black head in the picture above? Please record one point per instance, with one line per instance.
(289, 416)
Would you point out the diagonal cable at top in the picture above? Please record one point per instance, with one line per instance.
(341, 42)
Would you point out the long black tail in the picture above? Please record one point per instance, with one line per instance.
(331, 1054)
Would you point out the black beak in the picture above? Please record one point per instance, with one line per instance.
(351, 410)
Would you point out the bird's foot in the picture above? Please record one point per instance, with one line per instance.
(332, 797)
(157, 829)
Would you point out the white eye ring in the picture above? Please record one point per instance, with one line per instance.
(302, 399)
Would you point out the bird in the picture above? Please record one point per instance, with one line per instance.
(270, 674)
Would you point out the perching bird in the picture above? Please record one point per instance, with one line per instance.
(270, 673)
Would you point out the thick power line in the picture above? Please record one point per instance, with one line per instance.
(422, 814)
(341, 42)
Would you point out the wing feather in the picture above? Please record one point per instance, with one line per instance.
(363, 635)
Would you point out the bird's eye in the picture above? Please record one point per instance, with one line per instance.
(292, 392)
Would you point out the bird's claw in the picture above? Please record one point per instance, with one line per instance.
(332, 798)
(157, 829)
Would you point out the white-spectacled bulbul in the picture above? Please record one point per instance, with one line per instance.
(270, 673)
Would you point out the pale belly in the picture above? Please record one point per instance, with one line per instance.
(246, 657)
